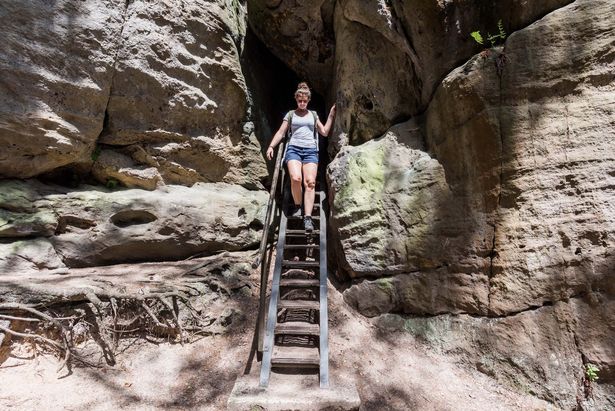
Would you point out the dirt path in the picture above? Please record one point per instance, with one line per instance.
(392, 371)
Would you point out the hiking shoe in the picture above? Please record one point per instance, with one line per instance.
(294, 210)
(308, 223)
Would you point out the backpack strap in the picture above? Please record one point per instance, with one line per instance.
(289, 131)
(315, 115)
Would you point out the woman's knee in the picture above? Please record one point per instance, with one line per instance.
(296, 178)
(309, 183)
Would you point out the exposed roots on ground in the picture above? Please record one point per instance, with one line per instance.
(178, 310)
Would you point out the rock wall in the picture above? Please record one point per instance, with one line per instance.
(54, 86)
(494, 204)
(59, 227)
(141, 92)
(470, 192)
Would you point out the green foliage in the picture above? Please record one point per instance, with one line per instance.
(591, 372)
(478, 37)
(96, 153)
(112, 183)
(494, 39)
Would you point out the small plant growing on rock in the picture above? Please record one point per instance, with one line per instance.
(493, 39)
(591, 372)
(591, 376)
(96, 153)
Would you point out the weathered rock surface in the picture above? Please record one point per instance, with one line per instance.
(524, 146)
(57, 62)
(91, 227)
(521, 189)
(530, 151)
(390, 56)
(162, 80)
(29, 255)
(298, 33)
(179, 98)
(539, 351)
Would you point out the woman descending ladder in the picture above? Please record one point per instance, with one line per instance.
(297, 323)
(301, 156)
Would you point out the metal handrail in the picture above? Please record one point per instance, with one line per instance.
(260, 259)
(270, 207)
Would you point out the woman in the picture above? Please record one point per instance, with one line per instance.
(302, 152)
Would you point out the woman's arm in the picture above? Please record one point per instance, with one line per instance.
(324, 130)
(277, 137)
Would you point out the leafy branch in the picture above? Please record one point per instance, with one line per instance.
(494, 39)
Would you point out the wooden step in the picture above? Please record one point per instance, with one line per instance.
(300, 264)
(315, 218)
(299, 357)
(297, 282)
(301, 233)
(300, 246)
(298, 304)
(297, 328)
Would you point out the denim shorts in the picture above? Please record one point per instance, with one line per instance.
(303, 154)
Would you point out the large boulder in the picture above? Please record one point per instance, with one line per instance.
(519, 194)
(390, 56)
(57, 66)
(179, 102)
(530, 151)
(90, 226)
(522, 139)
(540, 351)
(298, 33)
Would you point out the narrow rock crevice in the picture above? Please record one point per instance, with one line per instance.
(120, 36)
(494, 251)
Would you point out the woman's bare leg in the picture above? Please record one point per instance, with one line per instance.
(294, 169)
(309, 182)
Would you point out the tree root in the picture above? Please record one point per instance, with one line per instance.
(176, 309)
(154, 313)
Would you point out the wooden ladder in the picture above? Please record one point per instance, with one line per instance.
(296, 333)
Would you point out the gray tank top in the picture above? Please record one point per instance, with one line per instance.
(302, 132)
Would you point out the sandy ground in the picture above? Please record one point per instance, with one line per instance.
(392, 371)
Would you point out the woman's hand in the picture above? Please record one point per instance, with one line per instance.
(269, 153)
(332, 111)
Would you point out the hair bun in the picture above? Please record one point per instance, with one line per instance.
(303, 85)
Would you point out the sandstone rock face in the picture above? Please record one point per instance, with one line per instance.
(57, 65)
(179, 100)
(390, 56)
(300, 33)
(486, 207)
(29, 256)
(534, 154)
(93, 227)
(518, 209)
(161, 82)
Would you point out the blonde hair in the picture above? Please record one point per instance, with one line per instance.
(303, 89)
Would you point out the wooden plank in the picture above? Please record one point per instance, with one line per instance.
(297, 328)
(300, 233)
(292, 362)
(300, 246)
(300, 264)
(309, 304)
(296, 357)
(298, 282)
(273, 300)
(323, 313)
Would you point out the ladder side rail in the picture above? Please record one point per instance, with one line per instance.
(270, 205)
(323, 315)
(273, 299)
(264, 263)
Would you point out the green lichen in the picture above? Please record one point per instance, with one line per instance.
(386, 284)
